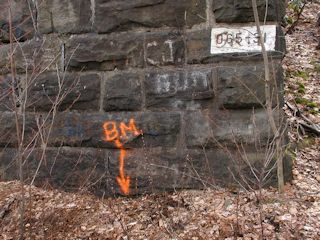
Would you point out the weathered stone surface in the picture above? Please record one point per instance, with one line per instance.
(5, 93)
(165, 48)
(213, 166)
(198, 46)
(246, 126)
(87, 130)
(35, 55)
(68, 90)
(177, 115)
(64, 16)
(67, 168)
(241, 10)
(191, 89)
(105, 52)
(76, 91)
(8, 130)
(79, 16)
(95, 170)
(160, 169)
(227, 127)
(228, 167)
(22, 16)
(150, 170)
(122, 15)
(199, 43)
(243, 85)
(123, 91)
(75, 129)
(161, 86)
(199, 129)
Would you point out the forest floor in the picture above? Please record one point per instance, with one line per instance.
(207, 214)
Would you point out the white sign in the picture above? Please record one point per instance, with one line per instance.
(242, 39)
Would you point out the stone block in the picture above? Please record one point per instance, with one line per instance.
(95, 170)
(149, 170)
(230, 167)
(64, 16)
(159, 169)
(165, 48)
(105, 52)
(199, 129)
(212, 166)
(114, 15)
(231, 11)
(198, 46)
(190, 89)
(22, 16)
(64, 168)
(89, 130)
(246, 126)
(36, 55)
(243, 85)
(68, 90)
(123, 91)
(8, 129)
(6, 93)
(228, 128)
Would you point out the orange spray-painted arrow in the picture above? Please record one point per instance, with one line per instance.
(112, 135)
(123, 181)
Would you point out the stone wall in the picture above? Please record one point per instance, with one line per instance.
(145, 105)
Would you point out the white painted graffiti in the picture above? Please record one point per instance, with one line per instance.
(242, 39)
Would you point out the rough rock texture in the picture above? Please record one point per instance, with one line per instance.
(22, 20)
(105, 52)
(156, 169)
(64, 16)
(122, 15)
(159, 129)
(127, 97)
(5, 92)
(8, 130)
(243, 85)
(241, 10)
(123, 92)
(178, 89)
(72, 168)
(86, 129)
(166, 48)
(35, 55)
(106, 16)
(72, 90)
(226, 128)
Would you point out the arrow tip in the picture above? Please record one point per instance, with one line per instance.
(124, 183)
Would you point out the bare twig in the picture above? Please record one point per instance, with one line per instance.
(306, 123)
(271, 118)
(298, 16)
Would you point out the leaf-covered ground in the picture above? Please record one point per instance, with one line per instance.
(210, 214)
